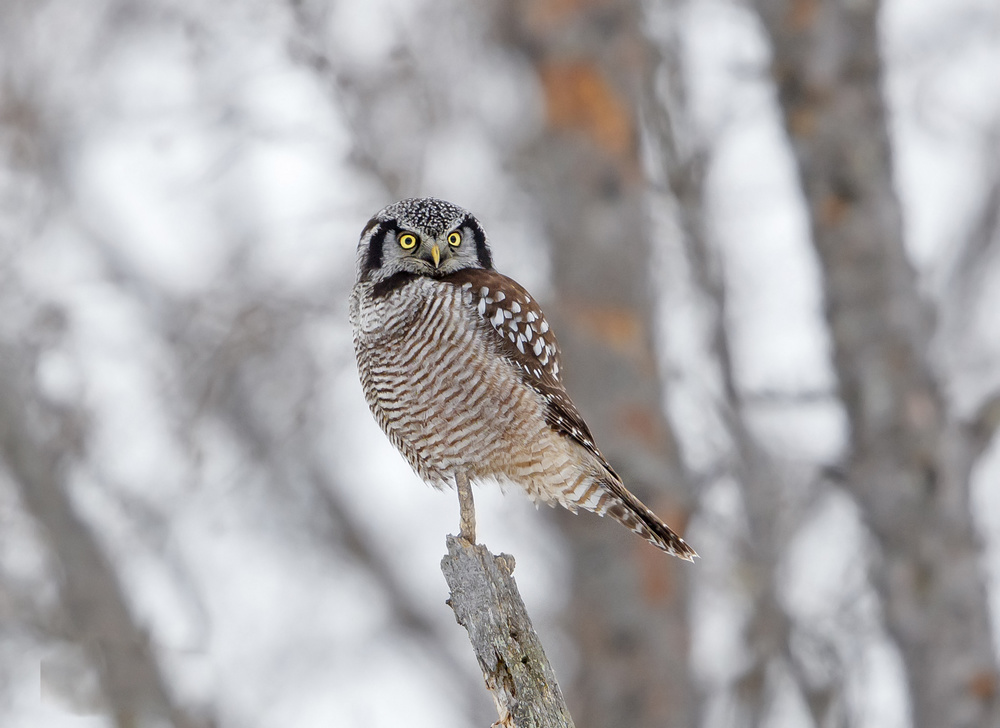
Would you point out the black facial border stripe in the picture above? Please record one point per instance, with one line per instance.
(482, 251)
(374, 259)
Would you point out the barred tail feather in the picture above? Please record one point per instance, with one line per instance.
(632, 513)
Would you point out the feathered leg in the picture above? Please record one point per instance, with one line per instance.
(467, 508)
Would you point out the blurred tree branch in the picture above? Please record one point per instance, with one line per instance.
(909, 465)
(34, 450)
(980, 242)
(985, 424)
(770, 504)
(970, 270)
(360, 96)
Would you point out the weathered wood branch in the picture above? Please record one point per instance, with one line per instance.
(487, 603)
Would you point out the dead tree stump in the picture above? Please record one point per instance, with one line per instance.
(487, 603)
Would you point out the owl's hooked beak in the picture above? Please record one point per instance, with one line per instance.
(436, 255)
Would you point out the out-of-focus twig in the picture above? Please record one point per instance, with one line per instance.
(985, 424)
(979, 244)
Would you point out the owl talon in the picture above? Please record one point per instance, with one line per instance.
(467, 509)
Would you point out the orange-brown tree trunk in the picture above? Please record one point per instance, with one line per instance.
(628, 614)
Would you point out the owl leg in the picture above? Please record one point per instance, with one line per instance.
(467, 508)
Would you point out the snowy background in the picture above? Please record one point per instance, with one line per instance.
(182, 186)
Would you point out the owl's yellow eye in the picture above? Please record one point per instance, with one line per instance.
(454, 239)
(407, 241)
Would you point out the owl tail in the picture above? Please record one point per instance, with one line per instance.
(635, 516)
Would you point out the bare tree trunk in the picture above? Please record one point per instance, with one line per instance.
(772, 498)
(910, 463)
(487, 603)
(130, 679)
(628, 606)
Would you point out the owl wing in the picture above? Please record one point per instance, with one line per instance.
(524, 338)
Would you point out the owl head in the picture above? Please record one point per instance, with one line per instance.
(421, 236)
